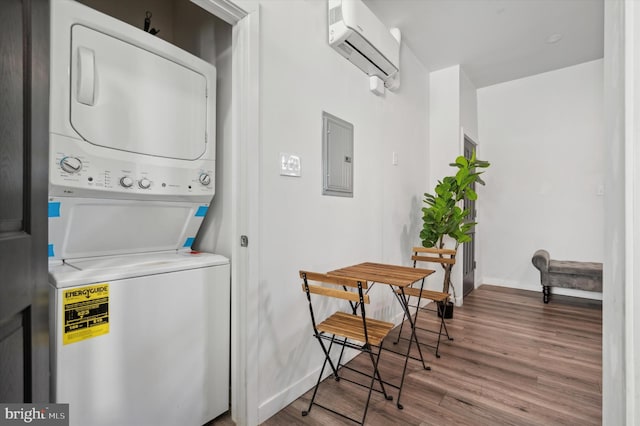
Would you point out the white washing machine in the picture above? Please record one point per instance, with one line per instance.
(142, 339)
(140, 322)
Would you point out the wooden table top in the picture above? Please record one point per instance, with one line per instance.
(400, 276)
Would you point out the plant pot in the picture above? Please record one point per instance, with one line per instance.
(447, 309)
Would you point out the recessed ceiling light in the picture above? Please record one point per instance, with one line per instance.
(554, 38)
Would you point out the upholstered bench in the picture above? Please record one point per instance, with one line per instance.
(566, 274)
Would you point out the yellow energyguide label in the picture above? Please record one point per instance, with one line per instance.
(85, 312)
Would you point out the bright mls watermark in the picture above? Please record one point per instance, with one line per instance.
(35, 414)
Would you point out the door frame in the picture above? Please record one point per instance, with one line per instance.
(29, 240)
(457, 273)
(39, 173)
(244, 16)
(465, 138)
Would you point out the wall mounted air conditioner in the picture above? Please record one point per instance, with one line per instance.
(358, 35)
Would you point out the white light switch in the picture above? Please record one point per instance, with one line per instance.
(289, 164)
(394, 158)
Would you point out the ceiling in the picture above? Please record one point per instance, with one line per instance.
(497, 40)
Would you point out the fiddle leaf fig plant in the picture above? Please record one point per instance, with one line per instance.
(443, 216)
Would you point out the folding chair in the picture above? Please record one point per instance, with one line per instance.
(446, 258)
(347, 330)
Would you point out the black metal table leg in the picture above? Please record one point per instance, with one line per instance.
(403, 301)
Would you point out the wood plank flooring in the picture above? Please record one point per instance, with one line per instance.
(514, 361)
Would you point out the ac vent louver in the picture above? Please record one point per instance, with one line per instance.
(345, 48)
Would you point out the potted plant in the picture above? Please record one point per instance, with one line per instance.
(443, 218)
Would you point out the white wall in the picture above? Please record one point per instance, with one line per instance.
(621, 298)
(209, 38)
(134, 13)
(614, 381)
(545, 140)
(632, 211)
(301, 76)
(444, 130)
(453, 113)
(215, 234)
(468, 106)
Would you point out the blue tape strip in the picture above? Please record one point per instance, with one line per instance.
(51, 250)
(54, 209)
(202, 210)
(189, 242)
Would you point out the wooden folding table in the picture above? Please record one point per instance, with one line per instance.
(395, 276)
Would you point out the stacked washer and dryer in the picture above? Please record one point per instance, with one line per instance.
(141, 321)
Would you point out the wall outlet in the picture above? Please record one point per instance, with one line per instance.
(290, 164)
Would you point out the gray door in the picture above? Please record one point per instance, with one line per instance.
(24, 99)
(469, 248)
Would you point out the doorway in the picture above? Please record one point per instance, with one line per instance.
(469, 248)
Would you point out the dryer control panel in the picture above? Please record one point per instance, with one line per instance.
(79, 168)
(131, 115)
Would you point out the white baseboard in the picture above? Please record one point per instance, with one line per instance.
(537, 287)
(593, 295)
(500, 282)
(280, 400)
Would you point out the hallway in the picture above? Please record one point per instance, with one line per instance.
(514, 361)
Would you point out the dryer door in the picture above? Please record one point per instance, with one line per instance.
(126, 98)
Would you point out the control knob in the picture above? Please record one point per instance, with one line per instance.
(126, 181)
(144, 183)
(71, 164)
(204, 179)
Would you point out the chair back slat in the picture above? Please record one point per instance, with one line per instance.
(333, 292)
(434, 250)
(447, 260)
(357, 299)
(329, 279)
(445, 257)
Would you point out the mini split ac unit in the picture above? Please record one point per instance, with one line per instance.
(358, 35)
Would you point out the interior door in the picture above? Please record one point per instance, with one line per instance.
(24, 327)
(469, 248)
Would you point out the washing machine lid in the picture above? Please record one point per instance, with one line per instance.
(127, 98)
(111, 268)
(89, 227)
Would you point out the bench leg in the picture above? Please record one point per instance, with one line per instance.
(545, 293)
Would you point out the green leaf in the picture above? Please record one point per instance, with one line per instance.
(463, 239)
(471, 194)
(462, 161)
(465, 228)
(462, 176)
(449, 181)
(443, 216)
